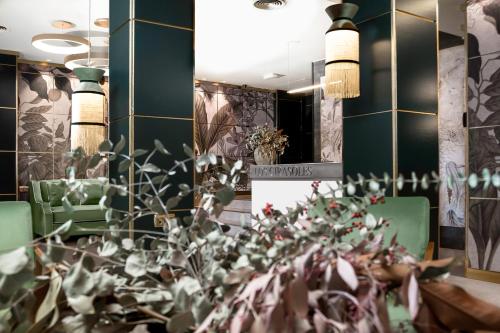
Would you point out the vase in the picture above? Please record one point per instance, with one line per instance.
(263, 159)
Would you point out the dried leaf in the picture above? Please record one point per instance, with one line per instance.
(413, 297)
(347, 273)
(299, 297)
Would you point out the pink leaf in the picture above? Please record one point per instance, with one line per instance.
(299, 297)
(347, 273)
(413, 297)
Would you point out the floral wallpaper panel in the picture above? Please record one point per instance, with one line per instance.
(225, 115)
(44, 94)
(483, 241)
(452, 134)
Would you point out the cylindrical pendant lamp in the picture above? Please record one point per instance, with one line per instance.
(342, 52)
(89, 105)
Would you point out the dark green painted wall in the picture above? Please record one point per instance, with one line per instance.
(152, 82)
(8, 119)
(393, 127)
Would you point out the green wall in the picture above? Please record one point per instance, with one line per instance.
(8, 119)
(393, 127)
(151, 82)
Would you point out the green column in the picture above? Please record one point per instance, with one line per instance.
(8, 119)
(152, 81)
(393, 126)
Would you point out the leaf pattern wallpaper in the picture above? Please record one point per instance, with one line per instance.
(44, 123)
(452, 143)
(483, 242)
(225, 115)
(331, 128)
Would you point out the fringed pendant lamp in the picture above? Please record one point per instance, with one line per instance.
(88, 128)
(342, 52)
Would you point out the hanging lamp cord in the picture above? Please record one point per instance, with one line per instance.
(88, 34)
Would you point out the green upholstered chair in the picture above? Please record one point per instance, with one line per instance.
(409, 218)
(48, 212)
(15, 221)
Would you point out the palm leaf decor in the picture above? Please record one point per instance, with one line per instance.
(201, 123)
(207, 136)
(222, 122)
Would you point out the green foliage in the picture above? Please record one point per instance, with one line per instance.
(298, 270)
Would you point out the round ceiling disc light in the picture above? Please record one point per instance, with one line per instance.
(269, 4)
(60, 43)
(98, 59)
(102, 23)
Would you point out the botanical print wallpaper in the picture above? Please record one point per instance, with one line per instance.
(44, 122)
(483, 243)
(225, 115)
(328, 126)
(452, 137)
(331, 128)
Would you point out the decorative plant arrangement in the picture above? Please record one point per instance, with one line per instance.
(294, 271)
(266, 143)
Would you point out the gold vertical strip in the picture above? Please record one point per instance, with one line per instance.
(131, 172)
(17, 129)
(466, 144)
(394, 83)
(194, 99)
(438, 86)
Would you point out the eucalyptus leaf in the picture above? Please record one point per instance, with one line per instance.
(13, 262)
(105, 146)
(135, 265)
(120, 145)
(161, 148)
(124, 165)
(188, 151)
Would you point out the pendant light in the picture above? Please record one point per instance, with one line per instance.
(99, 59)
(89, 105)
(342, 52)
(61, 43)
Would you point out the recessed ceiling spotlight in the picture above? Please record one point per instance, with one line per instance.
(63, 25)
(269, 4)
(3, 29)
(102, 23)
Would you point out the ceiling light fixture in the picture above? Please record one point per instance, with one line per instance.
(102, 23)
(63, 25)
(271, 76)
(308, 88)
(98, 59)
(3, 29)
(89, 106)
(61, 43)
(342, 52)
(269, 4)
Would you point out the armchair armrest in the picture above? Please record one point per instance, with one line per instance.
(41, 212)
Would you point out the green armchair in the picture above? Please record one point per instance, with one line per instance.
(15, 220)
(48, 213)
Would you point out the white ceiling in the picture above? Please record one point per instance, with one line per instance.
(237, 43)
(26, 18)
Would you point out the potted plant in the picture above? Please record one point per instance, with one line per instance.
(267, 143)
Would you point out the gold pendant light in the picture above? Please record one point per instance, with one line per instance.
(342, 53)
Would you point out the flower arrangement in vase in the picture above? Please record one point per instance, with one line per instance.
(267, 143)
